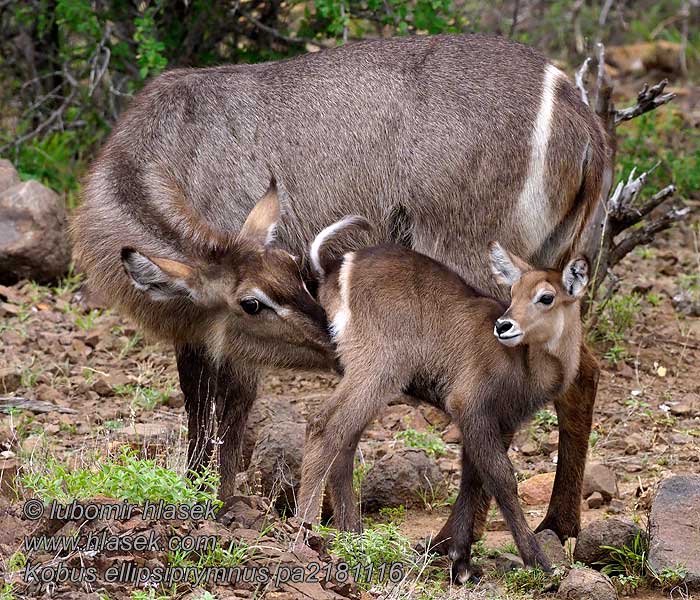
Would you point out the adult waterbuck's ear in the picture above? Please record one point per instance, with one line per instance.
(574, 278)
(506, 267)
(261, 223)
(160, 278)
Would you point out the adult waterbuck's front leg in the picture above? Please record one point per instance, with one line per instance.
(575, 416)
(217, 401)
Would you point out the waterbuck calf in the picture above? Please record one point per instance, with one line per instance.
(403, 322)
(443, 142)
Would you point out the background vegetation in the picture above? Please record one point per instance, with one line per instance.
(69, 67)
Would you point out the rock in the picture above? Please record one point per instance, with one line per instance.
(8, 175)
(452, 435)
(599, 478)
(536, 490)
(265, 410)
(688, 407)
(250, 512)
(102, 387)
(552, 442)
(277, 455)
(529, 448)
(32, 443)
(595, 500)
(603, 532)
(675, 526)
(33, 239)
(642, 57)
(552, 547)
(404, 476)
(685, 303)
(8, 473)
(505, 562)
(10, 380)
(586, 584)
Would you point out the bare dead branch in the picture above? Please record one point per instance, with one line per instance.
(634, 215)
(582, 80)
(514, 19)
(626, 193)
(9, 403)
(603, 94)
(648, 99)
(646, 234)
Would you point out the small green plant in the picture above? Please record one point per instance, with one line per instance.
(379, 544)
(130, 344)
(143, 397)
(670, 577)
(615, 319)
(393, 514)
(358, 475)
(87, 320)
(16, 562)
(529, 581)
(628, 560)
(152, 594)
(654, 299)
(125, 477)
(69, 284)
(429, 440)
(545, 419)
(510, 548)
(7, 592)
(235, 555)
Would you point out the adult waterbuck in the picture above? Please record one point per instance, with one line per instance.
(444, 142)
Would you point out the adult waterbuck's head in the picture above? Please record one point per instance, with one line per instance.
(248, 302)
(545, 304)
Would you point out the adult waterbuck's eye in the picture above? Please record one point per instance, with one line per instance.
(251, 306)
(546, 299)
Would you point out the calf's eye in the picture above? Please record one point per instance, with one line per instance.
(251, 306)
(546, 299)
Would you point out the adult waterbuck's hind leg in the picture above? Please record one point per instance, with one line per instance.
(217, 402)
(575, 416)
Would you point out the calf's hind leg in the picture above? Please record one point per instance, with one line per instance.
(330, 447)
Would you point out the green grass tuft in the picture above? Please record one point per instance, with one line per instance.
(125, 477)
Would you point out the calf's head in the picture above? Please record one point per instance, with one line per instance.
(545, 304)
(249, 302)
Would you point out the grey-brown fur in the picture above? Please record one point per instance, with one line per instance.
(411, 325)
(428, 137)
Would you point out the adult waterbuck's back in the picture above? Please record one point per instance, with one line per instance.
(444, 142)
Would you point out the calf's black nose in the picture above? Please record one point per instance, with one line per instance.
(503, 326)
